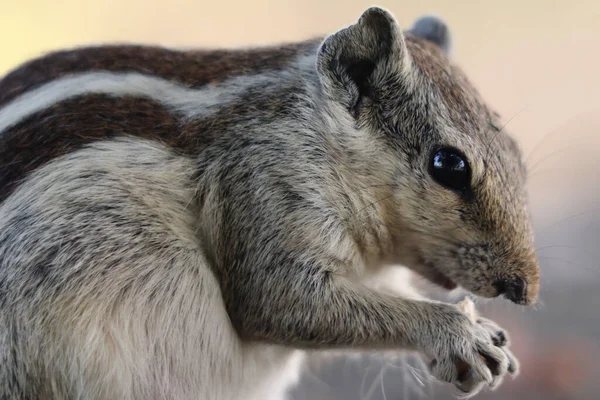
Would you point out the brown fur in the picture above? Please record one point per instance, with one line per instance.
(71, 124)
(466, 106)
(192, 68)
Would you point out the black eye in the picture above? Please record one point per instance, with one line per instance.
(450, 169)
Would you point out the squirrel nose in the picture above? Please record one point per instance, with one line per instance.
(514, 289)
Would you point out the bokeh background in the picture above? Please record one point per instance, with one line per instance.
(536, 61)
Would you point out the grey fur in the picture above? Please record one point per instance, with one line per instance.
(130, 271)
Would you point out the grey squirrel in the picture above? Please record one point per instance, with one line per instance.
(192, 224)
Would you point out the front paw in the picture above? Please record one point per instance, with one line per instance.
(500, 339)
(470, 352)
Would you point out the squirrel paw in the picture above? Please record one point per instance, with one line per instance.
(472, 353)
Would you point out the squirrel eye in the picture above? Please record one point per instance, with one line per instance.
(450, 168)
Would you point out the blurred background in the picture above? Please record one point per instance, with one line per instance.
(536, 61)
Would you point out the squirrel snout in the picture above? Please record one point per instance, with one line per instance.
(519, 279)
(514, 289)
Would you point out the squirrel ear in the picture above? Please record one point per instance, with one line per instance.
(356, 60)
(433, 29)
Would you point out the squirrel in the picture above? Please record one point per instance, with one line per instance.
(194, 224)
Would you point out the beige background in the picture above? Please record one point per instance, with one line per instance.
(536, 61)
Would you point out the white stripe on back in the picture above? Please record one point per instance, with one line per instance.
(176, 97)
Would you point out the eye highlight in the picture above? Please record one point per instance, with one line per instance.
(450, 168)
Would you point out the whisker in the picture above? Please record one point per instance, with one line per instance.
(583, 213)
(372, 389)
(545, 158)
(548, 135)
(371, 205)
(368, 394)
(317, 379)
(555, 170)
(382, 385)
(502, 128)
(579, 249)
(554, 246)
(572, 263)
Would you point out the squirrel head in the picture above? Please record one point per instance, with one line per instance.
(457, 204)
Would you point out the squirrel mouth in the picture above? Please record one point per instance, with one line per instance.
(434, 275)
